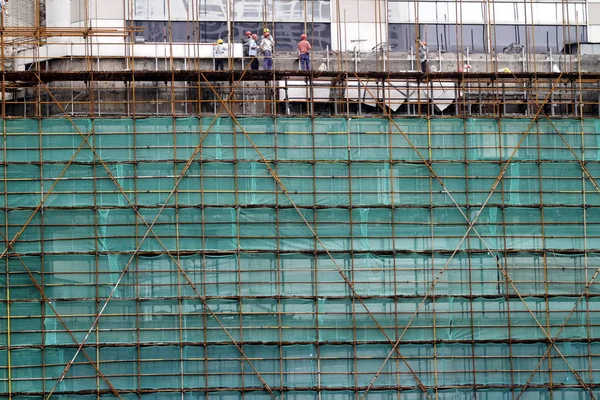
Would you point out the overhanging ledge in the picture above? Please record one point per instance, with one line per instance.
(235, 75)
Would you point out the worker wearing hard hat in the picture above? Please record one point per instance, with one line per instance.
(266, 45)
(219, 54)
(266, 30)
(423, 56)
(304, 50)
(246, 43)
(253, 52)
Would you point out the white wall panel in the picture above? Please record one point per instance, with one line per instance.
(544, 13)
(240, 10)
(248, 10)
(473, 13)
(149, 9)
(594, 33)
(508, 13)
(547, 13)
(400, 12)
(594, 9)
(298, 10)
(107, 23)
(555, 14)
(359, 10)
(288, 10)
(579, 16)
(361, 35)
(435, 12)
(58, 13)
(446, 12)
(322, 10)
(213, 10)
(179, 10)
(106, 9)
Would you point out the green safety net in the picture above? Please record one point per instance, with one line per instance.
(363, 185)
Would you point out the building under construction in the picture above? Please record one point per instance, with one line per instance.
(360, 230)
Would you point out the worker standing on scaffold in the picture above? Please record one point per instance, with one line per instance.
(304, 50)
(246, 44)
(253, 52)
(423, 56)
(266, 45)
(219, 53)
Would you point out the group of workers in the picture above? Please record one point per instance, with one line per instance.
(253, 48)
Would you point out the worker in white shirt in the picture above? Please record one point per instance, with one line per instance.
(266, 45)
(220, 54)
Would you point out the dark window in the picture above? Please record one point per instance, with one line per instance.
(287, 35)
(505, 35)
(182, 31)
(402, 37)
(456, 38)
(446, 37)
(543, 38)
(152, 31)
(239, 28)
(554, 37)
(211, 31)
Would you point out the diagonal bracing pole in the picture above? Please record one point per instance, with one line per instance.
(592, 280)
(186, 277)
(471, 227)
(59, 317)
(318, 239)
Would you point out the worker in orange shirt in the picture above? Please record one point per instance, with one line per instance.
(304, 50)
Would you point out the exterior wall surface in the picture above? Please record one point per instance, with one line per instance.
(294, 253)
(20, 13)
(447, 26)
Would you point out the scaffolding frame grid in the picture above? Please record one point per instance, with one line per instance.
(352, 254)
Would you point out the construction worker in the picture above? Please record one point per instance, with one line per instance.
(266, 45)
(423, 56)
(304, 50)
(219, 53)
(253, 52)
(245, 43)
(266, 30)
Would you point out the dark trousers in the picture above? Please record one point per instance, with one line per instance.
(219, 63)
(254, 63)
(268, 65)
(305, 62)
(424, 66)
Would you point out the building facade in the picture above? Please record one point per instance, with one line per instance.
(450, 26)
(171, 232)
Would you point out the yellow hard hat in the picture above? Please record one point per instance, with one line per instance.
(220, 41)
(266, 30)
